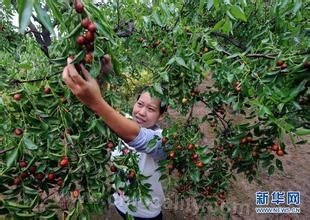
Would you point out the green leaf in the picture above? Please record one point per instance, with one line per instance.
(129, 217)
(243, 2)
(227, 26)
(235, 153)
(218, 25)
(238, 13)
(151, 144)
(132, 208)
(79, 57)
(297, 6)
(157, 88)
(44, 18)
(216, 4)
(210, 4)
(48, 215)
(271, 170)
(181, 62)
(29, 190)
(279, 164)
(25, 214)
(195, 176)
(157, 19)
(171, 61)
(77, 29)
(297, 90)
(29, 144)
(264, 110)
(25, 12)
(230, 77)
(12, 157)
(302, 131)
(164, 76)
(7, 4)
(52, 5)
(17, 205)
(206, 159)
(162, 177)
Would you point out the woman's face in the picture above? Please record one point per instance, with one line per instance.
(146, 110)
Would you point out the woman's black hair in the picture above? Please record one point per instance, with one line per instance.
(162, 109)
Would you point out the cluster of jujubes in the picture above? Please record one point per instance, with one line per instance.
(88, 37)
(38, 175)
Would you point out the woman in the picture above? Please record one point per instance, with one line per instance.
(136, 133)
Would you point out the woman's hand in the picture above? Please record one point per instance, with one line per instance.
(106, 65)
(86, 90)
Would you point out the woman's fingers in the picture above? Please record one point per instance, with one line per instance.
(106, 59)
(68, 80)
(73, 73)
(85, 73)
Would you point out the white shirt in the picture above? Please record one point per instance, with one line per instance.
(147, 164)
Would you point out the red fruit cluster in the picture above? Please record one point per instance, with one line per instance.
(39, 176)
(281, 64)
(87, 38)
(156, 44)
(246, 140)
(275, 147)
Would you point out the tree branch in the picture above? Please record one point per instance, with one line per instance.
(222, 120)
(190, 116)
(231, 40)
(6, 150)
(17, 81)
(267, 56)
(39, 38)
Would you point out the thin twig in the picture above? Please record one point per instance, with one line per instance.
(17, 81)
(222, 120)
(267, 56)
(190, 116)
(49, 195)
(230, 39)
(6, 150)
(302, 53)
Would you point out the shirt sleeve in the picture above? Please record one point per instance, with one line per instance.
(143, 138)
